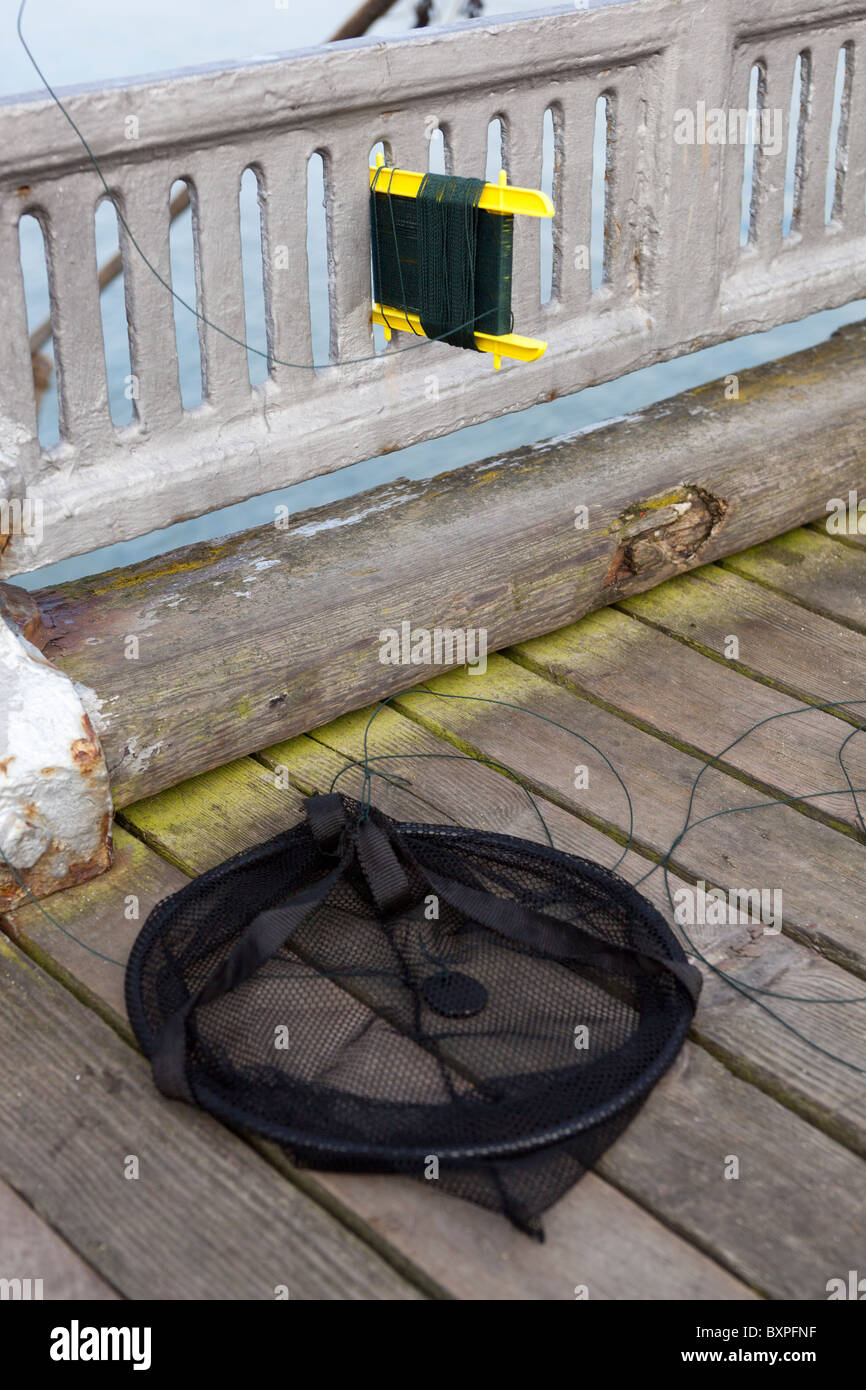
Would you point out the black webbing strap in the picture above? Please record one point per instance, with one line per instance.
(542, 933)
(326, 818)
(386, 878)
(270, 930)
(261, 938)
(384, 874)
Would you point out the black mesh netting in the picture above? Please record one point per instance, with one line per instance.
(396, 998)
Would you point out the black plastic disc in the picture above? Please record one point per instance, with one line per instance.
(454, 995)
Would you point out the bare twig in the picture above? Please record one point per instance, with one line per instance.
(359, 22)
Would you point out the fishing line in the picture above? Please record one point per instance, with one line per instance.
(53, 920)
(689, 824)
(369, 772)
(166, 284)
(853, 789)
(748, 991)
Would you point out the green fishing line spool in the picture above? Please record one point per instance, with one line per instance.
(442, 251)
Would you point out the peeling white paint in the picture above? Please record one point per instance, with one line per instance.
(55, 802)
(137, 759)
(315, 526)
(94, 706)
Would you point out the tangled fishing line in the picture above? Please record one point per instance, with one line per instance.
(756, 994)
(430, 975)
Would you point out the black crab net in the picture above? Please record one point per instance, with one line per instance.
(418, 999)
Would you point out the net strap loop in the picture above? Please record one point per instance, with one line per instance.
(384, 874)
(386, 878)
(326, 817)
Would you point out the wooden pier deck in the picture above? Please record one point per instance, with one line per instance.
(213, 1215)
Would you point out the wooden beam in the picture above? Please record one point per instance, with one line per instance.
(241, 642)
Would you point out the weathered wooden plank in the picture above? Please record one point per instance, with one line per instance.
(796, 1062)
(824, 1091)
(470, 1252)
(218, 814)
(851, 537)
(595, 1237)
(102, 916)
(821, 871)
(231, 655)
(31, 1250)
(810, 566)
(780, 641)
(71, 1115)
(662, 684)
(757, 1220)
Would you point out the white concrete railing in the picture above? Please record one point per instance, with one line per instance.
(676, 276)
